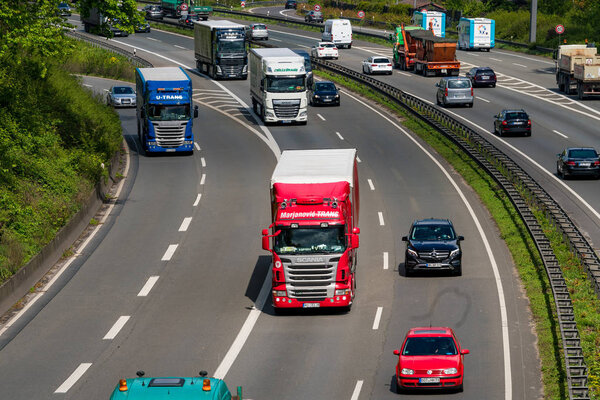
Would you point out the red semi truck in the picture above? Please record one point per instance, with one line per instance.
(314, 207)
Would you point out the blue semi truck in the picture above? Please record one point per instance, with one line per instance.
(164, 110)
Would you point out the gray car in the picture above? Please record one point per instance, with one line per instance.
(257, 31)
(454, 90)
(153, 12)
(121, 96)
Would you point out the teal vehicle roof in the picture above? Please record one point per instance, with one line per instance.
(172, 388)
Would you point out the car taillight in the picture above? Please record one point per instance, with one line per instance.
(596, 163)
(504, 123)
(471, 91)
(389, 65)
(446, 92)
(528, 122)
(373, 65)
(571, 163)
(321, 48)
(335, 48)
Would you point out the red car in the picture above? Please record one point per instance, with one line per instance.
(431, 358)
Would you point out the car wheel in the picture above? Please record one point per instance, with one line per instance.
(493, 85)
(458, 271)
(390, 72)
(437, 100)
(528, 133)
(559, 172)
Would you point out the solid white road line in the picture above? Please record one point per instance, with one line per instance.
(377, 318)
(64, 388)
(148, 286)
(185, 224)
(339, 135)
(169, 253)
(116, 328)
(356, 392)
(520, 65)
(495, 59)
(197, 200)
(276, 40)
(202, 179)
(320, 116)
(560, 134)
(86, 85)
(371, 184)
(386, 260)
(197, 146)
(14, 319)
(482, 99)
(380, 218)
(403, 73)
(203, 161)
(179, 47)
(491, 257)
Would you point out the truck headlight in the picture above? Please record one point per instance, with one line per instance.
(450, 371)
(245, 69)
(407, 371)
(219, 70)
(280, 293)
(270, 114)
(302, 114)
(341, 292)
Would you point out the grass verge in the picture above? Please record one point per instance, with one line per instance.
(525, 255)
(90, 60)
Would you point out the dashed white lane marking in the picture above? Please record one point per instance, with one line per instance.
(339, 135)
(156, 40)
(403, 73)
(185, 224)
(86, 85)
(197, 200)
(301, 45)
(203, 161)
(179, 47)
(116, 328)
(202, 179)
(495, 59)
(377, 318)
(196, 146)
(169, 253)
(320, 116)
(520, 65)
(64, 388)
(386, 260)
(560, 134)
(371, 184)
(380, 218)
(276, 40)
(148, 286)
(482, 99)
(356, 392)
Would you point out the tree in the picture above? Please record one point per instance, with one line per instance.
(123, 11)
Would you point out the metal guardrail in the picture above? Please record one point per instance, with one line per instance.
(140, 62)
(524, 193)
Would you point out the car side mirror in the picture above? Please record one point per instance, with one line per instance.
(437, 85)
(405, 238)
(465, 351)
(396, 352)
(460, 238)
(195, 111)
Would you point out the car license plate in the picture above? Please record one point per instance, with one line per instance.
(584, 164)
(485, 77)
(429, 380)
(434, 265)
(444, 70)
(287, 121)
(170, 150)
(311, 305)
(326, 99)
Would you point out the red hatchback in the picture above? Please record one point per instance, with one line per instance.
(431, 358)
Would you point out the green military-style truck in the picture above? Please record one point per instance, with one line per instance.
(173, 8)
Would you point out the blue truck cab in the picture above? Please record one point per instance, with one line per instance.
(174, 388)
(164, 110)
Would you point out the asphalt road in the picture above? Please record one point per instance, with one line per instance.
(211, 288)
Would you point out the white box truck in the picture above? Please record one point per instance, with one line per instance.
(476, 33)
(338, 31)
(433, 20)
(278, 85)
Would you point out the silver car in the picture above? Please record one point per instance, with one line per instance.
(121, 96)
(454, 90)
(257, 31)
(153, 11)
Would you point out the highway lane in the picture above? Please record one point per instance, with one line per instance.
(193, 317)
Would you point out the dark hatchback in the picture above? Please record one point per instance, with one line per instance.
(432, 245)
(291, 4)
(324, 93)
(482, 76)
(512, 121)
(188, 20)
(582, 161)
(314, 16)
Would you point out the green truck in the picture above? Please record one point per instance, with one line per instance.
(403, 54)
(173, 8)
(174, 388)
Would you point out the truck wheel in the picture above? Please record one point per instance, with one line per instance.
(254, 106)
(580, 94)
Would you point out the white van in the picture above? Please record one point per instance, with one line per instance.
(338, 31)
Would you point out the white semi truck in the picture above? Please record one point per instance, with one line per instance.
(278, 85)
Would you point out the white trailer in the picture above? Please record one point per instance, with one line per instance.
(278, 85)
(476, 34)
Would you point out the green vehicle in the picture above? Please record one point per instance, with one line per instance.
(403, 54)
(174, 388)
(173, 8)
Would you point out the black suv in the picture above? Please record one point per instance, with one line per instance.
(432, 245)
(314, 16)
(512, 121)
(291, 4)
(482, 76)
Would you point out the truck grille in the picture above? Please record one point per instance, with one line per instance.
(434, 255)
(170, 134)
(231, 67)
(286, 109)
(311, 281)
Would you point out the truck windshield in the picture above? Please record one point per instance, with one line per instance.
(286, 84)
(232, 46)
(159, 112)
(315, 240)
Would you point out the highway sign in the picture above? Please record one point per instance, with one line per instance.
(183, 6)
(317, 7)
(560, 29)
(243, 4)
(361, 14)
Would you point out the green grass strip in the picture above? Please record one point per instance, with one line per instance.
(525, 256)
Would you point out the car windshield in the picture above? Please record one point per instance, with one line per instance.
(381, 61)
(516, 115)
(63, 5)
(459, 84)
(123, 90)
(583, 153)
(259, 27)
(429, 346)
(432, 232)
(285, 84)
(326, 45)
(232, 46)
(159, 112)
(325, 86)
(488, 72)
(310, 240)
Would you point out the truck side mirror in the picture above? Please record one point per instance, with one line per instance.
(265, 242)
(354, 241)
(195, 111)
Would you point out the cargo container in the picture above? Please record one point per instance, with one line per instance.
(476, 34)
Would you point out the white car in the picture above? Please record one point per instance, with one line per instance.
(325, 50)
(377, 65)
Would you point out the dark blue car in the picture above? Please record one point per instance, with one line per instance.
(324, 93)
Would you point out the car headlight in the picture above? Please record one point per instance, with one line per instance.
(454, 253)
(450, 371)
(337, 95)
(407, 371)
(412, 252)
(316, 96)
